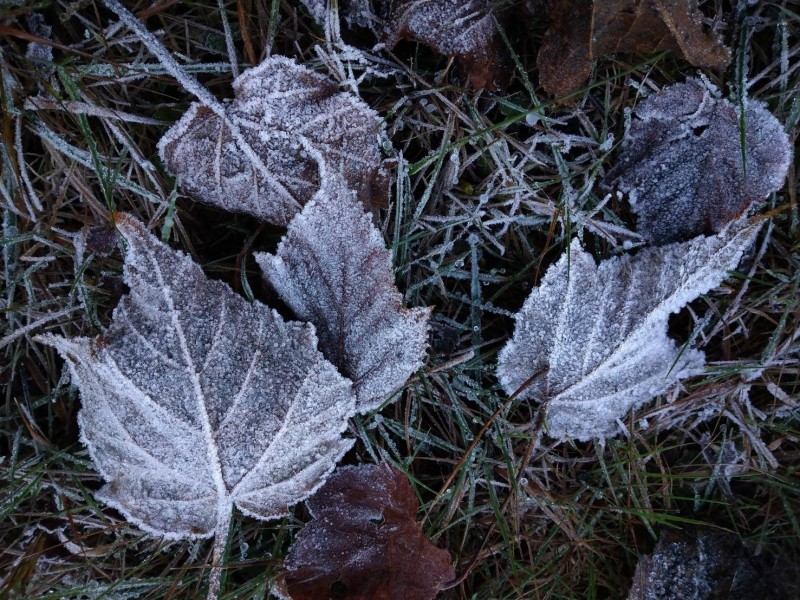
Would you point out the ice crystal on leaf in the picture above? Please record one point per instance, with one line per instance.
(591, 341)
(683, 165)
(365, 537)
(333, 269)
(295, 127)
(195, 400)
(356, 13)
(462, 28)
(704, 564)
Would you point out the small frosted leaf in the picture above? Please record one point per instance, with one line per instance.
(595, 336)
(464, 29)
(365, 537)
(682, 162)
(356, 13)
(333, 269)
(290, 119)
(195, 400)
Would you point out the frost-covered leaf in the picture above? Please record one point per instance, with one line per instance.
(581, 31)
(593, 338)
(291, 120)
(682, 163)
(195, 400)
(356, 13)
(464, 29)
(364, 541)
(333, 269)
(706, 565)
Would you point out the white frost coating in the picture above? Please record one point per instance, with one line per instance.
(280, 109)
(596, 335)
(333, 269)
(317, 9)
(195, 400)
(357, 13)
(682, 162)
(453, 27)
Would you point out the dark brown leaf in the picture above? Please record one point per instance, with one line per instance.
(464, 29)
(101, 240)
(581, 31)
(682, 164)
(364, 542)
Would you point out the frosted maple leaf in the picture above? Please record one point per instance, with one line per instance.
(333, 269)
(195, 400)
(683, 165)
(591, 341)
(295, 126)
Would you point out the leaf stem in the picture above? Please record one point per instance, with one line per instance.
(220, 542)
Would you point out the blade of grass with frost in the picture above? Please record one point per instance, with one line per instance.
(599, 332)
(195, 400)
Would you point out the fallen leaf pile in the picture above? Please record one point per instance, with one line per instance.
(195, 401)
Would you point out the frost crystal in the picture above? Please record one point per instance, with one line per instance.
(591, 341)
(705, 565)
(462, 28)
(195, 400)
(297, 127)
(333, 270)
(683, 164)
(357, 13)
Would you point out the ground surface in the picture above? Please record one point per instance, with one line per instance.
(484, 182)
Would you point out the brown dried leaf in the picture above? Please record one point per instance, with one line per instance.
(291, 120)
(464, 29)
(581, 31)
(364, 542)
(682, 163)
